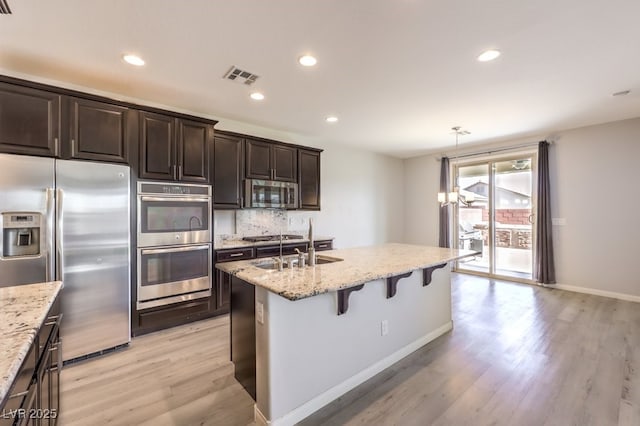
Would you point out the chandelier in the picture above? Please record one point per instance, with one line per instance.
(453, 197)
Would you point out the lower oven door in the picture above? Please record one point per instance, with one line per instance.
(173, 274)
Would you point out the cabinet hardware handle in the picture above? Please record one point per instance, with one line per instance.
(56, 146)
(175, 250)
(180, 172)
(236, 254)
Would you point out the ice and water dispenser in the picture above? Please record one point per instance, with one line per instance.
(21, 234)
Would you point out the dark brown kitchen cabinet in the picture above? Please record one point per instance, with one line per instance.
(34, 395)
(271, 161)
(99, 131)
(194, 142)
(223, 290)
(162, 317)
(174, 148)
(223, 280)
(157, 146)
(29, 121)
(309, 179)
(227, 171)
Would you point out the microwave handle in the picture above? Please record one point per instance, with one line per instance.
(173, 250)
(194, 199)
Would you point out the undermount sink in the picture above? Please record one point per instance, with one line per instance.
(271, 264)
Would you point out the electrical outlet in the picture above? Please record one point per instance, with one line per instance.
(260, 312)
(384, 327)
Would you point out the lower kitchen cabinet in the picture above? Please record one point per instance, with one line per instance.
(34, 397)
(162, 317)
(223, 290)
(223, 280)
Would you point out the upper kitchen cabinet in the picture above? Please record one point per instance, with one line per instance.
(99, 131)
(29, 120)
(271, 161)
(194, 142)
(309, 179)
(227, 171)
(157, 146)
(174, 148)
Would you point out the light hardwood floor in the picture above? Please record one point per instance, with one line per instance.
(518, 355)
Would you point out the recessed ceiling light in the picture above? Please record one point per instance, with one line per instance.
(622, 93)
(331, 119)
(488, 55)
(133, 60)
(257, 96)
(307, 60)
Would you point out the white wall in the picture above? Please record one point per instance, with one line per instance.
(594, 174)
(362, 196)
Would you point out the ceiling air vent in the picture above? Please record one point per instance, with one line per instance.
(4, 7)
(238, 75)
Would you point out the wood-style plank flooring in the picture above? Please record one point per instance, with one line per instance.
(518, 355)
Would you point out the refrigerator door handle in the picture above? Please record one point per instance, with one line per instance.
(59, 218)
(49, 208)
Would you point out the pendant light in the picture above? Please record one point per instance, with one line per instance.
(454, 197)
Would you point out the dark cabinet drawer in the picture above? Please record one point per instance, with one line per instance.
(234, 254)
(323, 245)
(175, 314)
(270, 251)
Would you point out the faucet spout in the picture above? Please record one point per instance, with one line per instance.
(281, 260)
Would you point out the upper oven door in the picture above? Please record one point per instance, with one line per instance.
(172, 220)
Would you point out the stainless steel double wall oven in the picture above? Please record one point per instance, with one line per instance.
(174, 243)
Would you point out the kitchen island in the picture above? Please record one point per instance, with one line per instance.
(24, 341)
(302, 337)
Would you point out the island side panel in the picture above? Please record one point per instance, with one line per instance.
(243, 334)
(307, 355)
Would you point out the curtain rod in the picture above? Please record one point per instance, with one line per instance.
(492, 151)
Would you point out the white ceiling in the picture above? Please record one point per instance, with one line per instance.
(398, 73)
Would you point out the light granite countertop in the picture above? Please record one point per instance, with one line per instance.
(23, 309)
(359, 265)
(239, 243)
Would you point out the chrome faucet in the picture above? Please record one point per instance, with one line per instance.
(300, 258)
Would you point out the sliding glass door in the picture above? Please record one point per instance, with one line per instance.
(495, 215)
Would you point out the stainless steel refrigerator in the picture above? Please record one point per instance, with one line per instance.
(69, 221)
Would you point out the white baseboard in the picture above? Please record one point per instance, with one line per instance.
(595, 292)
(258, 417)
(310, 407)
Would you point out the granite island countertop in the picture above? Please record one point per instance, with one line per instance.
(240, 243)
(359, 265)
(23, 309)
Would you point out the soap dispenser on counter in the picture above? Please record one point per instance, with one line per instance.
(312, 250)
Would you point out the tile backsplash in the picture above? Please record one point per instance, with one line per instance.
(261, 222)
(232, 224)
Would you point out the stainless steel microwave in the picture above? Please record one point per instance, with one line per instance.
(272, 194)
